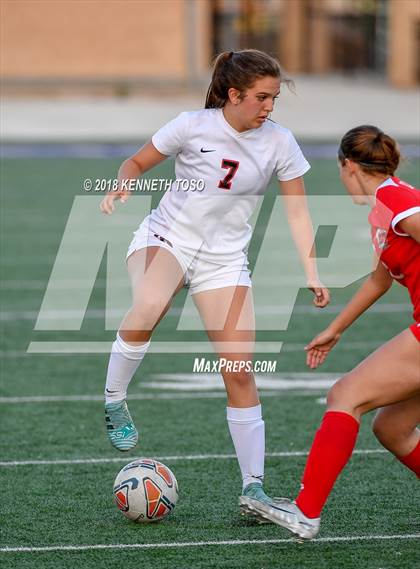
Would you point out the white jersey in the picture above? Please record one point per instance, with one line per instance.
(236, 168)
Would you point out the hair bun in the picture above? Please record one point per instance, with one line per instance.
(374, 150)
(379, 137)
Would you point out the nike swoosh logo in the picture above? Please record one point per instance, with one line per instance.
(108, 391)
(202, 150)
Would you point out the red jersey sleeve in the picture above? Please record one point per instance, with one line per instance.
(399, 202)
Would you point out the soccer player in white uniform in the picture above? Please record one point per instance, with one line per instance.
(199, 239)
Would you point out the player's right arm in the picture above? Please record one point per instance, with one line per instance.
(145, 159)
(373, 288)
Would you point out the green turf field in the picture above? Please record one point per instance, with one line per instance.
(57, 468)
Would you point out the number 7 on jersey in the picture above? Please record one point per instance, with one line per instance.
(232, 166)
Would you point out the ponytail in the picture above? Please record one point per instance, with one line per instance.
(240, 70)
(216, 93)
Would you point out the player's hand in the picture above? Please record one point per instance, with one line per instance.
(107, 205)
(320, 347)
(321, 294)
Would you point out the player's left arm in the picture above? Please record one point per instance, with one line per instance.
(411, 226)
(300, 223)
(375, 286)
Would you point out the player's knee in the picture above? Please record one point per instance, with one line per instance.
(338, 395)
(343, 396)
(386, 430)
(147, 311)
(380, 428)
(240, 378)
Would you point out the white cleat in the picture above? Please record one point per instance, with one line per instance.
(287, 514)
(252, 494)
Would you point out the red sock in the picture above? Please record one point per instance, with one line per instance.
(412, 460)
(331, 449)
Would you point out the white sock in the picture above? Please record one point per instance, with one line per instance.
(123, 363)
(247, 430)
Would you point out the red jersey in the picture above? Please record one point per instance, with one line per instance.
(398, 252)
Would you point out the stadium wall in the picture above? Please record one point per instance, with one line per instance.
(94, 40)
(126, 42)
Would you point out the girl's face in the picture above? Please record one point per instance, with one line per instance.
(349, 178)
(256, 104)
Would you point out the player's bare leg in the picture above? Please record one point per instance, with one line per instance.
(390, 375)
(395, 426)
(156, 277)
(228, 315)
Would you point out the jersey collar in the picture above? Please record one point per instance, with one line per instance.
(233, 131)
(388, 182)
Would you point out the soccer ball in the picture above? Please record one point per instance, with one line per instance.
(145, 490)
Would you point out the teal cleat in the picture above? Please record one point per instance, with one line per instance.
(252, 496)
(121, 431)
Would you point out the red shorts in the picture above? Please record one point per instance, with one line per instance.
(415, 328)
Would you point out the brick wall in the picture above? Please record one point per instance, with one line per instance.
(99, 39)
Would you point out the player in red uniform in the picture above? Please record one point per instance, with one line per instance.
(389, 379)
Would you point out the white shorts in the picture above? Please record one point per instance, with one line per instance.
(199, 274)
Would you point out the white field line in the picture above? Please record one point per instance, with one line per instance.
(169, 458)
(205, 385)
(146, 397)
(203, 381)
(185, 544)
(99, 314)
(133, 397)
(277, 385)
